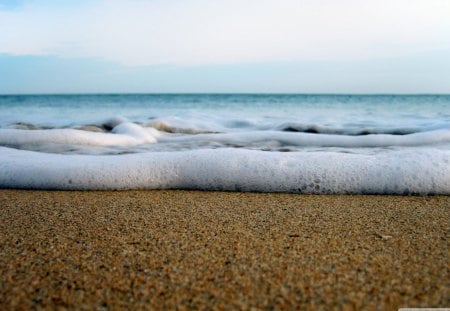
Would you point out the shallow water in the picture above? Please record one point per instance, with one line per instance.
(350, 143)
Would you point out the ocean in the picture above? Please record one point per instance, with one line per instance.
(358, 144)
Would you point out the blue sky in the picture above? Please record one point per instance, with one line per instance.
(300, 46)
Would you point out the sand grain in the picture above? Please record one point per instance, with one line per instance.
(163, 249)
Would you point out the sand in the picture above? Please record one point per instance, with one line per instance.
(214, 250)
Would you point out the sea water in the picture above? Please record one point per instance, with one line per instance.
(380, 144)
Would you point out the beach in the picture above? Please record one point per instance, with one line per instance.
(222, 250)
(224, 155)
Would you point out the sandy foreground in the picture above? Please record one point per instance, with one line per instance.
(215, 250)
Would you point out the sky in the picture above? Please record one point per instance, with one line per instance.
(221, 46)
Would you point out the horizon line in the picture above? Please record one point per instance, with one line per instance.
(225, 93)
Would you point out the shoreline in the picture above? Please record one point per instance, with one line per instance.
(196, 249)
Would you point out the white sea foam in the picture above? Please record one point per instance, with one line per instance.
(123, 134)
(409, 171)
(322, 140)
(330, 144)
(128, 134)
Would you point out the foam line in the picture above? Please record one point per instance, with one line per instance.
(124, 134)
(324, 140)
(411, 171)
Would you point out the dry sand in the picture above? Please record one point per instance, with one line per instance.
(167, 249)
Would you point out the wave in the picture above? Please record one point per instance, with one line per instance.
(356, 130)
(129, 137)
(121, 134)
(425, 171)
(323, 140)
(168, 128)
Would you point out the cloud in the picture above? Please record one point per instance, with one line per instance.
(204, 32)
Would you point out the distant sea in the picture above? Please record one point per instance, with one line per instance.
(380, 144)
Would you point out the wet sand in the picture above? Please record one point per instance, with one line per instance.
(196, 250)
